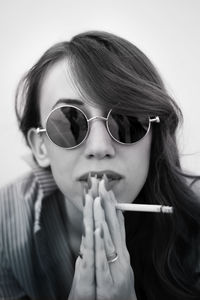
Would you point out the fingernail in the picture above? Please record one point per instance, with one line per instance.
(105, 178)
(94, 187)
(89, 182)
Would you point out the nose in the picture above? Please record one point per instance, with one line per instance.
(99, 143)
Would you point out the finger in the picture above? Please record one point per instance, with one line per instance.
(121, 224)
(99, 220)
(120, 217)
(87, 244)
(122, 230)
(83, 285)
(85, 264)
(108, 203)
(94, 189)
(123, 235)
(88, 218)
(102, 269)
(88, 225)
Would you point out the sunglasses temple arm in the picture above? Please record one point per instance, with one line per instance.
(156, 119)
(40, 130)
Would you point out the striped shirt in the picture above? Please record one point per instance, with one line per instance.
(35, 257)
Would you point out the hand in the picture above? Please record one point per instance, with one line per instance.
(115, 280)
(94, 277)
(83, 286)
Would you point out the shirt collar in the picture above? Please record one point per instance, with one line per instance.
(47, 186)
(44, 177)
(45, 180)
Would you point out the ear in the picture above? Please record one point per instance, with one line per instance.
(36, 142)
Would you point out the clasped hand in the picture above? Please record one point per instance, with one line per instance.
(96, 277)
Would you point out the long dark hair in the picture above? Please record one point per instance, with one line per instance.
(112, 71)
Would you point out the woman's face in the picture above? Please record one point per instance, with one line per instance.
(98, 153)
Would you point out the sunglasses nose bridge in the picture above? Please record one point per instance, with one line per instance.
(101, 118)
(97, 117)
(98, 140)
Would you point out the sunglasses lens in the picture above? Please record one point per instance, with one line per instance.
(127, 128)
(67, 126)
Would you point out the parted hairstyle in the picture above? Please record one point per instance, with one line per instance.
(109, 70)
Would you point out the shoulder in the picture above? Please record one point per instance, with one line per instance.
(16, 227)
(16, 203)
(18, 190)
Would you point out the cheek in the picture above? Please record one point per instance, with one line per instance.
(62, 163)
(136, 179)
(137, 169)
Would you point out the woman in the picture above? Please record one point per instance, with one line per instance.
(101, 128)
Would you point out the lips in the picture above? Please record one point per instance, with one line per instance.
(111, 175)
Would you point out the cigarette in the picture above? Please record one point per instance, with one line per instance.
(145, 208)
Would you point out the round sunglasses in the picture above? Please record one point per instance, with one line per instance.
(68, 126)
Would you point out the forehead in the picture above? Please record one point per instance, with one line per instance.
(57, 84)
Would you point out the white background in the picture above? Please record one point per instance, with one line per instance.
(167, 31)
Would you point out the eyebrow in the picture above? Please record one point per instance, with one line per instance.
(68, 101)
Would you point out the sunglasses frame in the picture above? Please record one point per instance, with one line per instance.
(42, 130)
